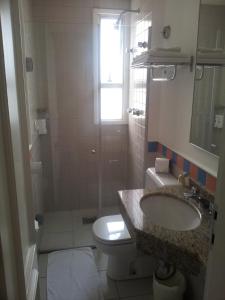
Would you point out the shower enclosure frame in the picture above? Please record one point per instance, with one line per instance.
(96, 77)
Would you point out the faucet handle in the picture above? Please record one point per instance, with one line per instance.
(194, 191)
(182, 179)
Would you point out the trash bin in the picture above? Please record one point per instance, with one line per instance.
(170, 286)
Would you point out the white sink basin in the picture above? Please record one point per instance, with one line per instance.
(170, 212)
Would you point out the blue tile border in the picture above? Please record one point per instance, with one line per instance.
(152, 146)
(186, 166)
(202, 177)
(174, 158)
(164, 150)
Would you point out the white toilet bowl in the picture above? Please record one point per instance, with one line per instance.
(113, 238)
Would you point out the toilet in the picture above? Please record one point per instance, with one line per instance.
(113, 238)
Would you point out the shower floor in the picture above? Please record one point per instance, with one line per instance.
(69, 229)
(65, 230)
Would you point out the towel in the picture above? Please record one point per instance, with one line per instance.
(173, 49)
(210, 50)
(211, 57)
(159, 56)
(160, 52)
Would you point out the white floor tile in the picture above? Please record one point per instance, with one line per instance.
(83, 236)
(56, 241)
(58, 222)
(43, 288)
(77, 222)
(145, 297)
(108, 287)
(134, 287)
(85, 212)
(101, 260)
(42, 265)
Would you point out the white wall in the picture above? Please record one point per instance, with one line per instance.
(170, 112)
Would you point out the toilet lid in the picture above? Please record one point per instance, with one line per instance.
(111, 229)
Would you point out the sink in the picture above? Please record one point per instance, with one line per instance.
(170, 212)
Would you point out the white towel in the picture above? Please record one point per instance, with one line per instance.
(210, 50)
(211, 55)
(173, 49)
(160, 52)
(72, 275)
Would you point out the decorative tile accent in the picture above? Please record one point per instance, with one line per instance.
(169, 154)
(202, 177)
(186, 166)
(174, 158)
(152, 146)
(193, 172)
(180, 162)
(210, 182)
(159, 148)
(164, 150)
(197, 174)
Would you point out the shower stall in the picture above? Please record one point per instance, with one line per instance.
(82, 87)
(88, 132)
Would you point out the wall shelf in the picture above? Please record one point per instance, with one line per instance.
(150, 61)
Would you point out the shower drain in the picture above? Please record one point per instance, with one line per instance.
(89, 220)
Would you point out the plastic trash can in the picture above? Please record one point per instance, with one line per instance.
(171, 287)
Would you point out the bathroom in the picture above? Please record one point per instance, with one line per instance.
(100, 127)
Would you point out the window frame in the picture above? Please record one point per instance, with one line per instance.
(97, 15)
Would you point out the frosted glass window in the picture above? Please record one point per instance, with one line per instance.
(111, 104)
(111, 70)
(111, 57)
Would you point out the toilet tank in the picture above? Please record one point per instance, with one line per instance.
(156, 180)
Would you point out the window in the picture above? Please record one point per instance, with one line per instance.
(112, 94)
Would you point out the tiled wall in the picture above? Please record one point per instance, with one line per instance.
(35, 98)
(114, 149)
(66, 29)
(137, 99)
(198, 175)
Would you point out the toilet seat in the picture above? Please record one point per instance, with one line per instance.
(112, 230)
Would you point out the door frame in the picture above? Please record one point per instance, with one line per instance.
(11, 256)
(215, 275)
(14, 257)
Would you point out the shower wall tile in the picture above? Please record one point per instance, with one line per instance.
(88, 195)
(138, 99)
(70, 3)
(32, 47)
(114, 147)
(61, 13)
(115, 4)
(67, 30)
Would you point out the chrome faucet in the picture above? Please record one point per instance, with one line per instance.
(194, 194)
(201, 201)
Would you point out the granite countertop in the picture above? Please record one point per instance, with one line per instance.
(188, 250)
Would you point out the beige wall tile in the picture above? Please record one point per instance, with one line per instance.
(65, 31)
(115, 4)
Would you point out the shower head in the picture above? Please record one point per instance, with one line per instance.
(124, 12)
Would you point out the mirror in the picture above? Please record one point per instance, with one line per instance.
(209, 89)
